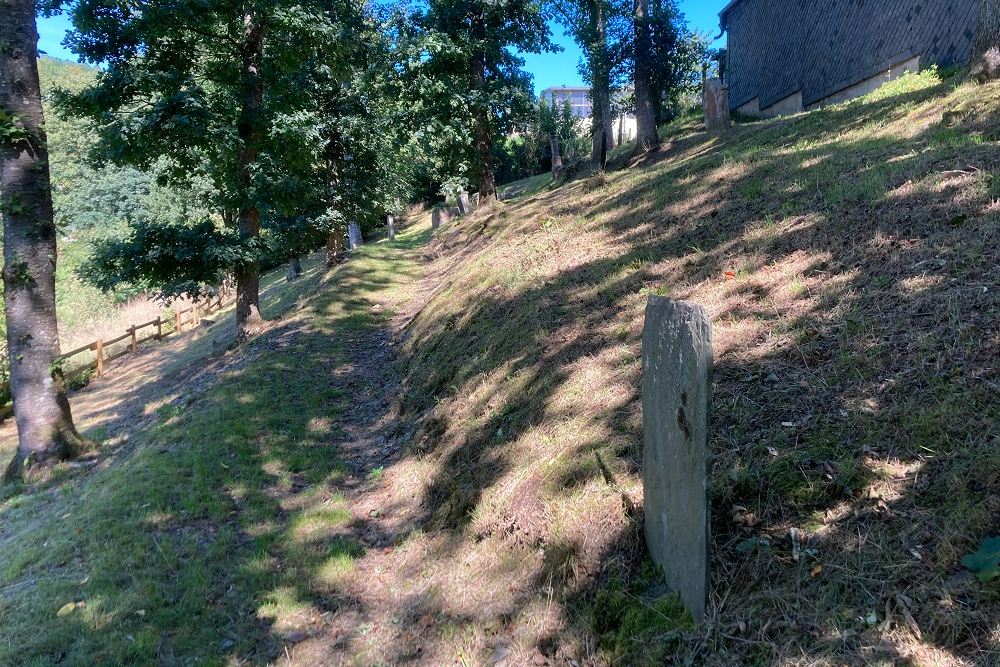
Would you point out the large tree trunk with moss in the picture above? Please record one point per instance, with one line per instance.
(333, 156)
(600, 133)
(609, 123)
(986, 46)
(248, 222)
(45, 429)
(481, 112)
(646, 138)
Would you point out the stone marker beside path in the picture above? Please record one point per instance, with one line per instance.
(676, 401)
(439, 216)
(354, 239)
(390, 224)
(464, 206)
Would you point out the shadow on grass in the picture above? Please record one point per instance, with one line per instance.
(223, 533)
(858, 406)
(843, 256)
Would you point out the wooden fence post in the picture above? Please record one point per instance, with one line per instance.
(135, 343)
(194, 313)
(177, 320)
(159, 328)
(99, 347)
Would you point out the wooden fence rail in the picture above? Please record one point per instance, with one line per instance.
(190, 316)
(185, 317)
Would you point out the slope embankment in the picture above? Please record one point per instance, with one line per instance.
(435, 456)
(848, 258)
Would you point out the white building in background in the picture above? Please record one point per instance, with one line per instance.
(579, 99)
(578, 96)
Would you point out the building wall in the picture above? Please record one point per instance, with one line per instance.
(818, 49)
(871, 84)
(625, 126)
(579, 98)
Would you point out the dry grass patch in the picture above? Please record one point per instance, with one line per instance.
(842, 255)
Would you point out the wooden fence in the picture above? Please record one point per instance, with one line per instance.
(104, 352)
(103, 349)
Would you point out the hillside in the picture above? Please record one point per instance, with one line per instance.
(434, 457)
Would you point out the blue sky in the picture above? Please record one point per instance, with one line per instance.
(560, 69)
(550, 69)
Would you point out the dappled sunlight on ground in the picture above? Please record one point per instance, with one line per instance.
(435, 456)
(839, 256)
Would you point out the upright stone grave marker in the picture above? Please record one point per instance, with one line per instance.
(676, 400)
(716, 101)
(464, 207)
(390, 223)
(354, 239)
(439, 216)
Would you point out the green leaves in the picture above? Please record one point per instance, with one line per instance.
(172, 259)
(12, 131)
(985, 563)
(14, 205)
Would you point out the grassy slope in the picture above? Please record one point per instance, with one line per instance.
(849, 260)
(226, 515)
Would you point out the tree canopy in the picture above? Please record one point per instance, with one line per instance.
(465, 84)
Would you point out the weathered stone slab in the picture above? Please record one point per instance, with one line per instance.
(716, 102)
(464, 205)
(440, 216)
(390, 225)
(354, 239)
(676, 402)
(454, 212)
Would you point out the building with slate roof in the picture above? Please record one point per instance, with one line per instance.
(786, 56)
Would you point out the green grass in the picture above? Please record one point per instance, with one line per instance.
(77, 302)
(627, 614)
(225, 521)
(838, 253)
(842, 255)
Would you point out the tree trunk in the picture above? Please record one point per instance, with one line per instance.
(248, 221)
(598, 150)
(334, 247)
(390, 226)
(986, 46)
(45, 429)
(609, 123)
(333, 155)
(481, 112)
(556, 158)
(646, 138)
(600, 72)
(658, 21)
(294, 269)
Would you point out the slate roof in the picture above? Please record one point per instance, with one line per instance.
(779, 47)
